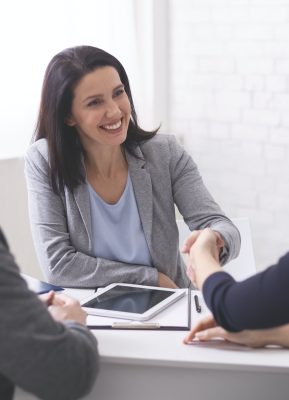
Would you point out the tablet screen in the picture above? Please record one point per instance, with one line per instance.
(129, 299)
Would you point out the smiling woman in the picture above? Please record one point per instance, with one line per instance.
(100, 113)
(102, 190)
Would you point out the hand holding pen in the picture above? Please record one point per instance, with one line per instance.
(47, 298)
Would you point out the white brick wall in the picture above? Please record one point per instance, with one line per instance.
(229, 104)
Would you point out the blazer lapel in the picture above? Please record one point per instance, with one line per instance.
(82, 200)
(142, 186)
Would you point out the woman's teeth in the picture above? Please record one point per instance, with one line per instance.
(113, 126)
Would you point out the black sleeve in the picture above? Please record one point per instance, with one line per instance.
(261, 301)
(52, 360)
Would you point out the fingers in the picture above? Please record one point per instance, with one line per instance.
(70, 309)
(219, 240)
(61, 299)
(191, 274)
(47, 298)
(190, 241)
(211, 333)
(203, 324)
(220, 243)
(207, 235)
(247, 338)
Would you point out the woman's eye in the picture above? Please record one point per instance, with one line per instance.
(118, 92)
(94, 103)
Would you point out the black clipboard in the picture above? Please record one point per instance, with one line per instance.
(148, 325)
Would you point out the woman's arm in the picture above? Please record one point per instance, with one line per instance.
(196, 204)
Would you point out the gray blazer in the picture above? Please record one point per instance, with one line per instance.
(163, 176)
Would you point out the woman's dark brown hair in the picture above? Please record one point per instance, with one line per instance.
(63, 73)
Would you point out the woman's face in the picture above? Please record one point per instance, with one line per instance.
(100, 109)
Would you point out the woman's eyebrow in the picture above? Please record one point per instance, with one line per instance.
(94, 96)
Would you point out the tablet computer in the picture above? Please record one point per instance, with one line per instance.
(129, 301)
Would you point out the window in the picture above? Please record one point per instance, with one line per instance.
(33, 31)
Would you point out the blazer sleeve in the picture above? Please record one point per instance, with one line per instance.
(63, 262)
(258, 302)
(196, 204)
(52, 360)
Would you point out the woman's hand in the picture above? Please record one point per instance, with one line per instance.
(204, 248)
(166, 282)
(210, 241)
(207, 329)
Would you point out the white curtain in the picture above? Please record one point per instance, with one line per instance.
(32, 31)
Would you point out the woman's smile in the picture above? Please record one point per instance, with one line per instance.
(113, 128)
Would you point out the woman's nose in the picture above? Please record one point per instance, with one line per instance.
(112, 109)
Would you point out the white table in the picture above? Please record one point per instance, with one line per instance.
(152, 365)
(156, 365)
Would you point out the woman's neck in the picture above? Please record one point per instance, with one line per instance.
(106, 163)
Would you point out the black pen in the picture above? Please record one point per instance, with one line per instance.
(197, 304)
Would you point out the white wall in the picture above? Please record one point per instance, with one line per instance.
(227, 95)
(229, 104)
(33, 31)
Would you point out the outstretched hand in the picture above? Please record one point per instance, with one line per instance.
(204, 248)
(206, 240)
(204, 324)
(207, 329)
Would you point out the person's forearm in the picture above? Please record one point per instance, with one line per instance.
(86, 271)
(277, 336)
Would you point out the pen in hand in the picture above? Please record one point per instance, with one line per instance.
(52, 298)
(197, 304)
(47, 298)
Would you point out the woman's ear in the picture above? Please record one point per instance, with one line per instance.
(69, 121)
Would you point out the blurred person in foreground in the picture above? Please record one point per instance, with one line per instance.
(45, 347)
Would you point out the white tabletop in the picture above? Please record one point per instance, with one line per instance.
(166, 347)
(165, 368)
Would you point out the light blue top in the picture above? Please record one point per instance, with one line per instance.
(117, 232)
